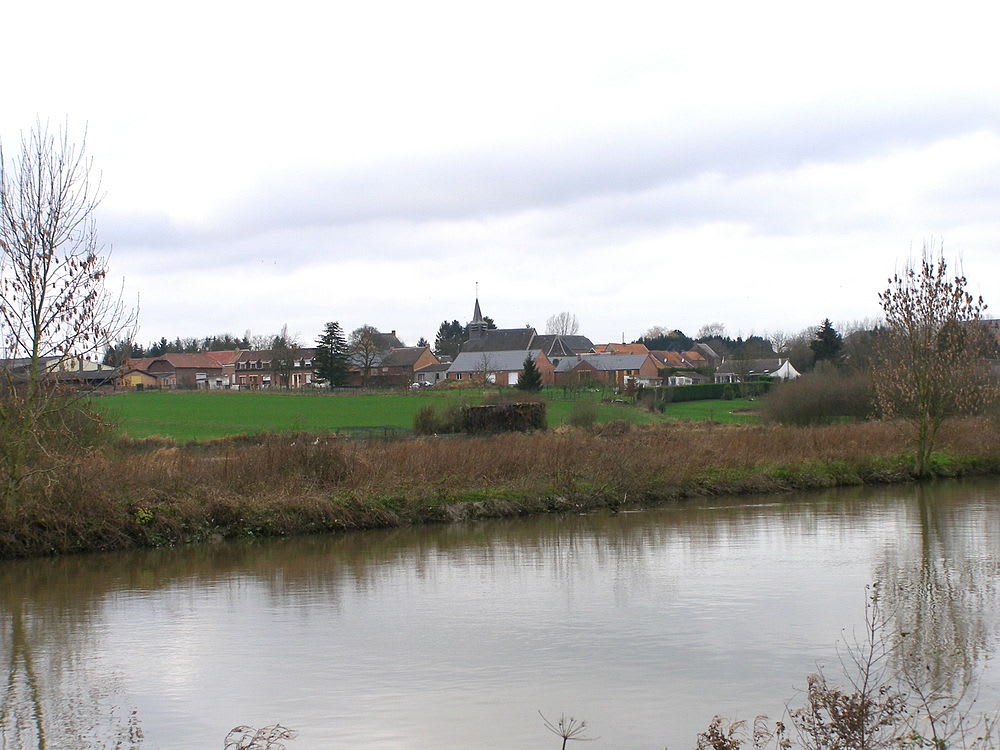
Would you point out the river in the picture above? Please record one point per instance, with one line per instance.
(645, 623)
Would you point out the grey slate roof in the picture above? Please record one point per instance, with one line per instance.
(561, 346)
(615, 361)
(492, 361)
(501, 340)
(443, 367)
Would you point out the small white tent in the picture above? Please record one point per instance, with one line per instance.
(785, 372)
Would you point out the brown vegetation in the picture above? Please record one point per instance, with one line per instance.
(146, 493)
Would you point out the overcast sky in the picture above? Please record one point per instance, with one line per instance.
(764, 165)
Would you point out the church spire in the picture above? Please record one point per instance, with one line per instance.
(477, 326)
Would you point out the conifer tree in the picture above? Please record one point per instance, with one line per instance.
(828, 343)
(530, 379)
(331, 356)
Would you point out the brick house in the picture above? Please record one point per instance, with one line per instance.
(192, 371)
(613, 370)
(398, 366)
(257, 369)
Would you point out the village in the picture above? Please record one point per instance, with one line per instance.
(489, 356)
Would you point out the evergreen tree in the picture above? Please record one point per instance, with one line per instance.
(449, 339)
(331, 356)
(530, 378)
(827, 343)
(422, 342)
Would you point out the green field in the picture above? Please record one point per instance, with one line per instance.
(187, 415)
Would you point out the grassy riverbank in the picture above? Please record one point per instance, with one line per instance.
(155, 492)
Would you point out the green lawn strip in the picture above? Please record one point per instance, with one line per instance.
(717, 410)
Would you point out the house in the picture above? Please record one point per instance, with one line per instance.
(257, 369)
(398, 366)
(741, 370)
(227, 359)
(431, 374)
(72, 371)
(195, 371)
(615, 370)
(498, 367)
(364, 362)
(141, 380)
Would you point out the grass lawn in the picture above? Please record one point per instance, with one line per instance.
(717, 410)
(186, 415)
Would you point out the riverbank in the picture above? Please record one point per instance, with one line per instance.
(157, 493)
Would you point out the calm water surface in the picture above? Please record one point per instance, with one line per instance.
(646, 623)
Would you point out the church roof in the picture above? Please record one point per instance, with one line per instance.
(501, 340)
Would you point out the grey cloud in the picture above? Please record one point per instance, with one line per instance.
(604, 187)
(510, 180)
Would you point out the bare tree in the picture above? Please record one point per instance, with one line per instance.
(711, 331)
(364, 347)
(55, 309)
(485, 374)
(284, 348)
(562, 324)
(931, 355)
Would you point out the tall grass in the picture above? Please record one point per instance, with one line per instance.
(155, 492)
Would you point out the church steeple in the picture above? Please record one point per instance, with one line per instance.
(477, 326)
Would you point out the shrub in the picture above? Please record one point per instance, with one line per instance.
(431, 421)
(728, 392)
(821, 396)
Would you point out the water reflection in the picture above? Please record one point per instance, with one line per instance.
(646, 623)
(940, 583)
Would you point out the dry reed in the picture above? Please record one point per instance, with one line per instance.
(156, 493)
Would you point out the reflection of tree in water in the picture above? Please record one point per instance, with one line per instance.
(46, 700)
(941, 590)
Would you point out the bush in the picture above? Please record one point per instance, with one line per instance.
(821, 396)
(431, 421)
(582, 414)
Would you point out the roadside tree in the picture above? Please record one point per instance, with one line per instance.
(55, 308)
(932, 353)
(331, 356)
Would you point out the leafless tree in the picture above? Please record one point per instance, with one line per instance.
(711, 331)
(562, 324)
(284, 347)
(55, 307)
(484, 369)
(364, 347)
(931, 362)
